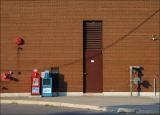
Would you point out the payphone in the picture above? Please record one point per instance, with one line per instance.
(46, 84)
(135, 79)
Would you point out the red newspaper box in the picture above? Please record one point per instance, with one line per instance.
(35, 83)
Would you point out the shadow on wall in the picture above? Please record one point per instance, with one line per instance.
(4, 88)
(58, 85)
(146, 84)
(14, 79)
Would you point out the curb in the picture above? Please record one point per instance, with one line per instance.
(58, 104)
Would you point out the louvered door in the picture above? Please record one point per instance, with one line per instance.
(92, 41)
(92, 35)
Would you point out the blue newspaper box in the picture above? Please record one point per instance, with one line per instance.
(46, 85)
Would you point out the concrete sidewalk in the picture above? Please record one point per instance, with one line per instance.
(139, 105)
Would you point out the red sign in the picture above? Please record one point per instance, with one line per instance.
(19, 41)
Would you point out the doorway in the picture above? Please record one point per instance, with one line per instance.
(92, 57)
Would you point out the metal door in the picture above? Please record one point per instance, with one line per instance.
(92, 53)
(93, 73)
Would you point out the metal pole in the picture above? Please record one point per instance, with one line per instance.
(154, 88)
(159, 55)
(131, 80)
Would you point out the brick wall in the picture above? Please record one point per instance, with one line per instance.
(53, 34)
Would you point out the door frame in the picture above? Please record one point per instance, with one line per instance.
(84, 58)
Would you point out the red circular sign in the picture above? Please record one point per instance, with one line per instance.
(19, 41)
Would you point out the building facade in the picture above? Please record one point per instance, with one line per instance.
(93, 43)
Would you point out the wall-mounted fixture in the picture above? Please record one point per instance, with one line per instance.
(19, 41)
(155, 37)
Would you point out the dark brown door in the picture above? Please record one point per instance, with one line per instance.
(92, 37)
(93, 71)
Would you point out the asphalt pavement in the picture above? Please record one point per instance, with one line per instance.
(126, 104)
(20, 109)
